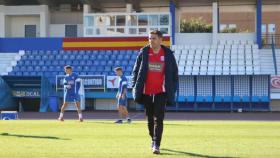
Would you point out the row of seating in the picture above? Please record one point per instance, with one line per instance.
(81, 52)
(75, 62)
(219, 46)
(76, 68)
(79, 57)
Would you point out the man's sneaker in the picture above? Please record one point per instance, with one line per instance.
(119, 121)
(156, 150)
(128, 120)
(81, 119)
(60, 119)
(152, 145)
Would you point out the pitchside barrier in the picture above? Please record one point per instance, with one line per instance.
(226, 93)
(197, 93)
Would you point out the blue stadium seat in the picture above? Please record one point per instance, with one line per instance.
(68, 62)
(35, 62)
(16, 68)
(45, 57)
(124, 63)
(44, 68)
(27, 52)
(92, 57)
(134, 57)
(27, 62)
(65, 57)
(41, 52)
(51, 57)
(34, 52)
(129, 52)
(33, 73)
(48, 52)
(25, 73)
(18, 73)
(58, 57)
(129, 68)
(62, 62)
(89, 62)
(131, 62)
(48, 62)
(12, 73)
(86, 68)
(37, 68)
(41, 63)
(23, 68)
(55, 62)
(79, 57)
(37, 57)
(126, 57)
(108, 68)
(100, 68)
(79, 68)
(76, 62)
(30, 68)
(85, 57)
(51, 68)
(20, 63)
(117, 63)
(96, 63)
(110, 63)
(24, 57)
(72, 57)
(103, 63)
(59, 68)
(120, 57)
(54, 52)
(113, 57)
(122, 51)
(99, 57)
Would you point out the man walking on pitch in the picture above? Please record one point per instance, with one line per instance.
(71, 88)
(121, 96)
(154, 83)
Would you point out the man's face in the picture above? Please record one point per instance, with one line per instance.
(118, 72)
(68, 71)
(154, 40)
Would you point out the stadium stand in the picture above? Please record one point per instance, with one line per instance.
(51, 63)
(226, 58)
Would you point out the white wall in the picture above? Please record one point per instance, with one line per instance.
(206, 38)
(58, 30)
(15, 25)
(237, 36)
(17, 16)
(193, 38)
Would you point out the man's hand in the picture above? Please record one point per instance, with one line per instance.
(123, 95)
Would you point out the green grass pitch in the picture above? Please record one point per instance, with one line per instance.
(104, 139)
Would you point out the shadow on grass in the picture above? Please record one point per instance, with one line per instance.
(31, 136)
(176, 152)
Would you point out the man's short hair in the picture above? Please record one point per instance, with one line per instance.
(157, 32)
(68, 67)
(118, 69)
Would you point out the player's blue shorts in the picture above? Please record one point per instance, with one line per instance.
(71, 97)
(122, 101)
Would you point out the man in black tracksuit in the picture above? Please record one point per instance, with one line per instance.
(154, 82)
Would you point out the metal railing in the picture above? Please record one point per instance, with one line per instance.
(269, 39)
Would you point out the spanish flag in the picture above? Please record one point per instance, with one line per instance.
(109, 43)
